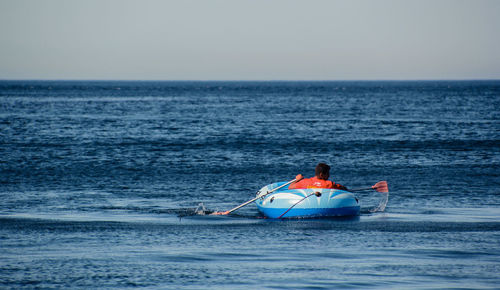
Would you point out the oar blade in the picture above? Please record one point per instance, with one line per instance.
(220, 213)
(381, 186)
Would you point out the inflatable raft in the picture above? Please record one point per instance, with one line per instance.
(311, 202)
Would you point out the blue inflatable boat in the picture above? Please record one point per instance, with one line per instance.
(311, 202)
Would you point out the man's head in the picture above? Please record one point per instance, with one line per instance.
(322, 171)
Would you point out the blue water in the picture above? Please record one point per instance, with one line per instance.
(110, 184)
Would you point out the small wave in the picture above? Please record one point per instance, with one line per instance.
(200, 210)
(384, 199)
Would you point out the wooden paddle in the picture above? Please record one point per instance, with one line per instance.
(254, 199)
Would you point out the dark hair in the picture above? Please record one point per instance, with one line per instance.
(322, 168)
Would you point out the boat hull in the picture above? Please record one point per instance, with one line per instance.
(289, 203)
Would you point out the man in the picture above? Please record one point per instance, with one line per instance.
(319, 181)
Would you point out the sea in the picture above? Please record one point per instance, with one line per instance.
(113, 184)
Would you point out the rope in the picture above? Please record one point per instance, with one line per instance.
(314, 193)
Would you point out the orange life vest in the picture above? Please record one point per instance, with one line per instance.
(314, 182)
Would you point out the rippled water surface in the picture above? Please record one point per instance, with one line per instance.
(110, 184)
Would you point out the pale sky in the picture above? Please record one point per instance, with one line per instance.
(249, 40)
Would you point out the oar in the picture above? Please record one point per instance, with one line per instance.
(254, 199)
(380, 186)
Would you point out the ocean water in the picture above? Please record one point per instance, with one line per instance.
(111, 184)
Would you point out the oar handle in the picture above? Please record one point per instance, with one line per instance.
(380, 186)
(360, 189)
(254, 199)
(241, 205)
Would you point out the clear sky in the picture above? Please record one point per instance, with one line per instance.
(249, 40)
